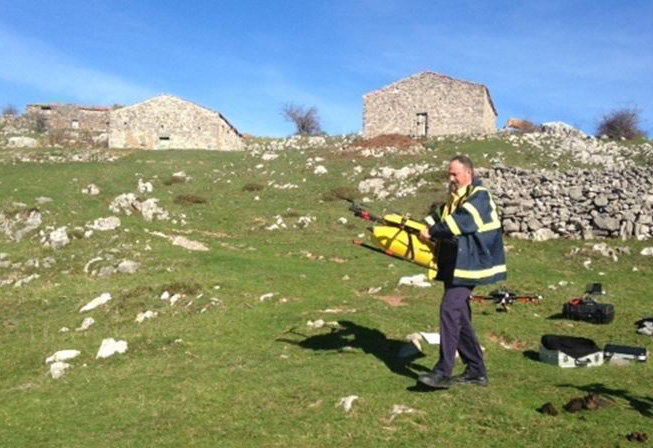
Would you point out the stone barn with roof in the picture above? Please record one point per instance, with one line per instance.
(428, 104)
(166, 121)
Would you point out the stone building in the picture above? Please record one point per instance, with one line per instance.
(166, 121)
(70, 116)
(428, 104)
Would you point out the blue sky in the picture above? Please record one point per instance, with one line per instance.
(572, 61)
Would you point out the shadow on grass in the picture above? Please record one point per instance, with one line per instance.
(369, 340)
(532, 355)
(643, 405)
(556, 316)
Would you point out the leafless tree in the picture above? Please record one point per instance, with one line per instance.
(621, 123)
(306, 121)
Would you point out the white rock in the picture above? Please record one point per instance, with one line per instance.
(319, 323)
(587, 263)
(58, 238)
(347, 402)
(141, 317)
(64, 330)
(399, 409)
(145, 187)
(22, 142)
(320, 169)
(43, 200)
(105, 224)
(342, 220)
(419, 280)
(91, 189)
(647, 252)
(57, 369)
(151, 210)
(184, 242)
(86, 324)
(128, 267)
(110, 347)
(62, 355)
(165, 295)
(265, 297)
(174, 298)
(100, 300)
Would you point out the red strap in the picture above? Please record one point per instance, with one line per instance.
(576, 302)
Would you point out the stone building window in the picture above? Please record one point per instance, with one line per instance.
(75, 124)
(422, 124)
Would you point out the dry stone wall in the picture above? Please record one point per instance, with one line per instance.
(583, 203)
(70, 116)
(169, 122)
(428, 104)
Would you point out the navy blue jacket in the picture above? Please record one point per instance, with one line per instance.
(471, 243)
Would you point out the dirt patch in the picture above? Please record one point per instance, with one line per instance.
(392, 300)
(174, 180)
(402, 142)
(189, 199)
(508, 344)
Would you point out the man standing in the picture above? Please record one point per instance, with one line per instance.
(468, 232)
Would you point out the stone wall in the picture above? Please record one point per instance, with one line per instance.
(582, 203)
(448, 105)
(70, 116)
(169, 122)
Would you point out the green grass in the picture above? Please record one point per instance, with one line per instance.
(252, 373)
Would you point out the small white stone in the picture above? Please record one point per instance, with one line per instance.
(57, 369)
(347, 402)
(62, 355)
(267, 296)
(141, 317)
(110, 347)
(100, 300)
(86, 324)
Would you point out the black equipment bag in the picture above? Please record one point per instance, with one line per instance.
(570, 345)
(588, 310)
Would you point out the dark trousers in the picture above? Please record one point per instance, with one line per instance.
(457, 333)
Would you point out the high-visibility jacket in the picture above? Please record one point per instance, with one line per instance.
(470, 239)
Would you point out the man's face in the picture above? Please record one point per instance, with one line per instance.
(459, 176)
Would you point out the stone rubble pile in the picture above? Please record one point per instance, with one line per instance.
(559, 139)
(149, 209)
(546, 204)
(386, 182)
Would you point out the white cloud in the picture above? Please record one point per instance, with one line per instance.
(30, 62)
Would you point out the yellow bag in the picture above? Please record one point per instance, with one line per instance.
(406, 243)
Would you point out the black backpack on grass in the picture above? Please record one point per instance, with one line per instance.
(588, 309)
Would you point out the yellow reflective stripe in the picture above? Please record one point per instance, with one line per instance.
(451, 223)
(482, 273)
(472, 211)
(429, 220)
(483, 227)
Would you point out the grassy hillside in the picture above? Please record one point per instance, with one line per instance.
(221, 367)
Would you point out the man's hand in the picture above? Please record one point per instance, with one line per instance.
(424, 235)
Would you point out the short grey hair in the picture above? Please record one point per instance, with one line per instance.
(464, 161)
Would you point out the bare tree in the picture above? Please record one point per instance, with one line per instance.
(621, 123)
(306, 121)
(9, 109)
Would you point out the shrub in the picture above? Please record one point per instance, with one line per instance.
(306, 121)
(189, 199)
(621, 123)
(252, 187)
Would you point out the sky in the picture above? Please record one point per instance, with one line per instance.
(554, 60)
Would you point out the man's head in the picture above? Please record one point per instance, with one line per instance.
(461, 172)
